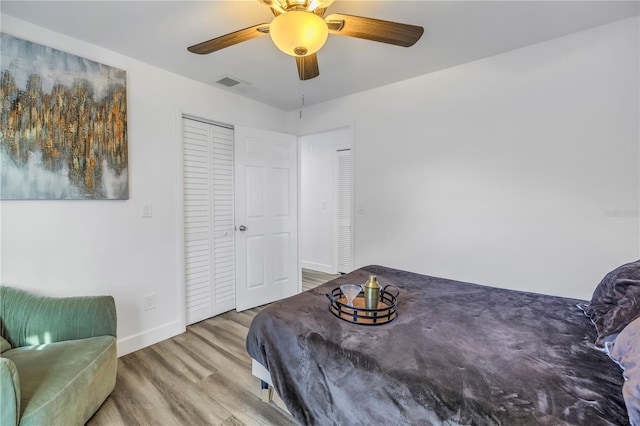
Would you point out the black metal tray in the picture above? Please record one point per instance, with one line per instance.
(358, 314)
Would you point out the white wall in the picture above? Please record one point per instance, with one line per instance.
(105, 247)
(504, 171)
(318, 198)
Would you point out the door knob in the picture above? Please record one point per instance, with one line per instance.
(242, 228)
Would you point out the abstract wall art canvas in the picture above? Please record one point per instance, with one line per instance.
(64, 125)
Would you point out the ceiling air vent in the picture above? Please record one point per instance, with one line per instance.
(228, 82)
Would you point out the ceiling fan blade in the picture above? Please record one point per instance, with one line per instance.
(229, 39)
(374, 29)
(307, 66)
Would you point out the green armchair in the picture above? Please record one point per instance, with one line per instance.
(58, 357)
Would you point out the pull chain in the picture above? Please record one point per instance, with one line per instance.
(302, 88)
(301, 62)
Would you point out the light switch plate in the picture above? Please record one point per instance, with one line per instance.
(147, 211)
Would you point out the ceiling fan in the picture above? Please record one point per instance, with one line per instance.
(299, 30)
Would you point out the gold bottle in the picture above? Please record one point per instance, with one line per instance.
(371, 294)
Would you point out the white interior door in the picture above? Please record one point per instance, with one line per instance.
(266, 173)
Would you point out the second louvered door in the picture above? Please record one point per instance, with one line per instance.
(208, 219)
(345, 189)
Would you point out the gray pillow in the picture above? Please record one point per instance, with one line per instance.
(625, 350)
(4, 345)
(615, 301)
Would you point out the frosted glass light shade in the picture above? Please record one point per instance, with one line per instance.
(298, 33)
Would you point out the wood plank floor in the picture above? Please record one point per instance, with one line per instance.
(201, 377)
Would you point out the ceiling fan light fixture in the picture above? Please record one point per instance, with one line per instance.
(283, 6)
(298, 33)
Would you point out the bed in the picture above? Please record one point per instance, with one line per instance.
(457, 353)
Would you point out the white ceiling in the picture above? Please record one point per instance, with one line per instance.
(159, 32)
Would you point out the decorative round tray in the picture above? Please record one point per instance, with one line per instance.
(358, 314)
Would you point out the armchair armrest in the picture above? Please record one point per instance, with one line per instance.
(27, 319)
(9, 393)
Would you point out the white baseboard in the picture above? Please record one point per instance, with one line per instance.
(327, 269)
(150, 337)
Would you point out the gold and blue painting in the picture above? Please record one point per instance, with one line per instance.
(64, 125)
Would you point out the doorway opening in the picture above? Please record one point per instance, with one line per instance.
(326, 201)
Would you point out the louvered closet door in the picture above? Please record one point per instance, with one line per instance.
(208, 220)
(345, 191)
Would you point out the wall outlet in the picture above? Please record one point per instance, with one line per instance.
(149, 302)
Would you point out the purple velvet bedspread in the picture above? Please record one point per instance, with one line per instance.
(458, 353)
